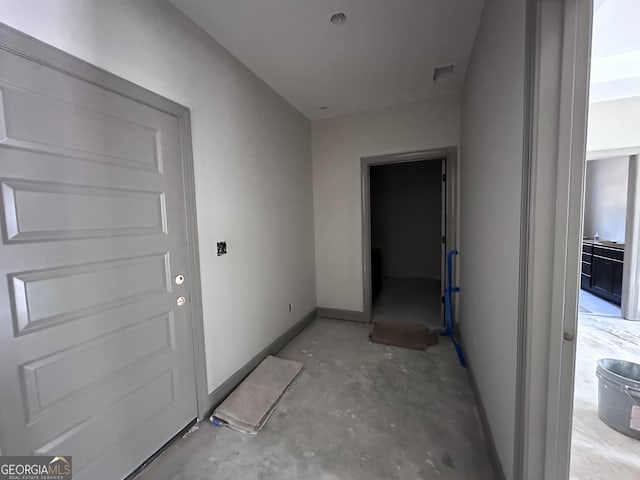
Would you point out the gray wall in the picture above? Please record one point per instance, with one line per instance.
(614, 124)
(252, 159)
(406, 212)
(338, 144)
(605, 201)
(490, 200)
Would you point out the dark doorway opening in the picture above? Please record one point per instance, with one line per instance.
(407, 224)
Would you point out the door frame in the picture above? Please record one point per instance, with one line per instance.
(556, 108)
(450, 156)
(28, 47)
(630, 308)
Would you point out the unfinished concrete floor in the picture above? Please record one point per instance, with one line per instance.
(358, 410)
(415, 300)
(597, 451)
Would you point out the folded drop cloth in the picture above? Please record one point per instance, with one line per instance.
(251, 404)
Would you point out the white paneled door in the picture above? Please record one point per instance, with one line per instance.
(96, 345)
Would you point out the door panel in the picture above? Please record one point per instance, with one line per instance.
(616, 287)
(86, 133)
(41, 298)
(602, 274)
(31, 210)
(96, 358)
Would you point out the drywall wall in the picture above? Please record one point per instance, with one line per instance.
(605, 199)
(338, 144)
(252, 161)
(491, 154)
(614, 125)
(406, 218)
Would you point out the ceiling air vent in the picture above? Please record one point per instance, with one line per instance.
(338, 18)
(442, 74)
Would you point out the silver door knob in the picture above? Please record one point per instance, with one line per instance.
(179, 279)
(181, 301)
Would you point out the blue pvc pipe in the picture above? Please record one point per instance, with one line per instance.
(448, 315)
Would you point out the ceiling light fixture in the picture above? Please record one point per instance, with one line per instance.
(338, 18)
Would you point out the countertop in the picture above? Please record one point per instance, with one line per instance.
(603, 243)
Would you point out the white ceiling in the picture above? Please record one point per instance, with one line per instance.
(615, 51)
(383, 54)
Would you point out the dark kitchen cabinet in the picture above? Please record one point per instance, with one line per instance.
(602, 268)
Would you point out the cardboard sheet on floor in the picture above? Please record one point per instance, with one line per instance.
(251, 404)
(403, 334)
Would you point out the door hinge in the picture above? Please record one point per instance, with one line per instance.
(444, 177)
(444, 239)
